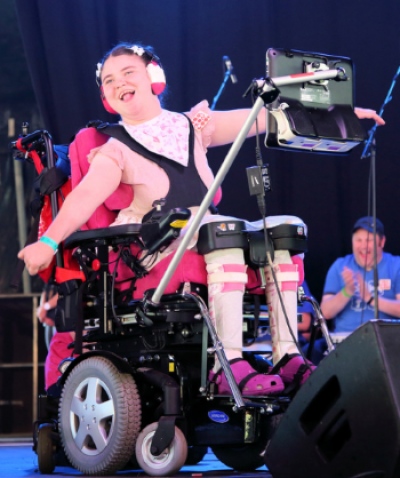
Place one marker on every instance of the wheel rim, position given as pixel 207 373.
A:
pixel 156 461
pixel 92 416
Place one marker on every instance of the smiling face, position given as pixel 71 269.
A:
pixel 127 88
pixel 363 248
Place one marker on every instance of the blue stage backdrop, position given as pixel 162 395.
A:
pixel 64 41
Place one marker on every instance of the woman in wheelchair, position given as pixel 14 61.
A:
pixel 162 154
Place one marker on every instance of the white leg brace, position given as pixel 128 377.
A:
pixel 287 276
pixel 226 280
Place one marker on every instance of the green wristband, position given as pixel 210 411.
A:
pixel 346 294
pixel 49 242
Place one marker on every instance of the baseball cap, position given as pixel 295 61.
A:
pixel 367 224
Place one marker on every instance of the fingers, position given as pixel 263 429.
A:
pixel 33 269
pixel 41 314
pixel 363 113
pixel 364 289
pixel 36 256
pixel 378 120
pixel 347 275
pixel 360 282
pixel 349 282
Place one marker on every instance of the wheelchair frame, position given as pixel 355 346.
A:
pixel 168 382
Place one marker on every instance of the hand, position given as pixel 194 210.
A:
pixel 42 316
pixel 349 282
pixel 37 257
pixel 364 292
pixel 369 114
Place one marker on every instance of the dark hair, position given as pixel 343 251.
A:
pixel 125 48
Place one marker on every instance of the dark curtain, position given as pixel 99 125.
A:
pixel 64 40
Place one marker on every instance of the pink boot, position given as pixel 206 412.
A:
pixel 292 369
pixel 249 381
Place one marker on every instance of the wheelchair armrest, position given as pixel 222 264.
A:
pixel 105 235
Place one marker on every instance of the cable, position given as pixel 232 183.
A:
pixel 116 319
pixel 368 214
pixel 262 208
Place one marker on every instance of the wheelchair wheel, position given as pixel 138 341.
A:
pixel 248 456
pixel 46 449
pixel 171 459
pixel 99 417
pixel 195 454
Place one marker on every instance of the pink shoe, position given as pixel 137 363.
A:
pixel 249 381
pixel 291 368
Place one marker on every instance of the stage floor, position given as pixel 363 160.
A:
pixel 17 460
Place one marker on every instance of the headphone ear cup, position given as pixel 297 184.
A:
pixel 157 77
pixel 106 103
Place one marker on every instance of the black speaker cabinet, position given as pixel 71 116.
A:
pixel 345 420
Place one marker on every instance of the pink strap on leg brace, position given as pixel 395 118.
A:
pixel 226 277
pixel 231 276
pixel 287 271
pixel 300 268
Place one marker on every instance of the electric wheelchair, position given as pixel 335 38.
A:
pixel 139 395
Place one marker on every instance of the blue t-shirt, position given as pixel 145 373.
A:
pixel 357 311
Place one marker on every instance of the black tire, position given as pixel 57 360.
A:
pixel 247 457
pixel 107 402
pixel 46 449
pixel 171 459
pixel 195 454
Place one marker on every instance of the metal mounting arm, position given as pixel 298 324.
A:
pixel 264 88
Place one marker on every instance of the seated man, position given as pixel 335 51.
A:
pixel 349 287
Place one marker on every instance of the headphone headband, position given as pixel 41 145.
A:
pixel 137 50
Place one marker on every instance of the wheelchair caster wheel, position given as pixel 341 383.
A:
pixel 171 459
pixel 46 449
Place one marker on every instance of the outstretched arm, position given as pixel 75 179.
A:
pixel 229 123
pixel 102 180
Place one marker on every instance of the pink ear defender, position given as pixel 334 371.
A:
pixel 157 77
pixel 154 69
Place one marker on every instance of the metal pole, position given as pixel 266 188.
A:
pixel 216 98
pixel 35 358
pixel 223 170
pixel 207 200
pixel 21 215
pixel 375 267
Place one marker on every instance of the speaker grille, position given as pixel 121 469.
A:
pixel 320 405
